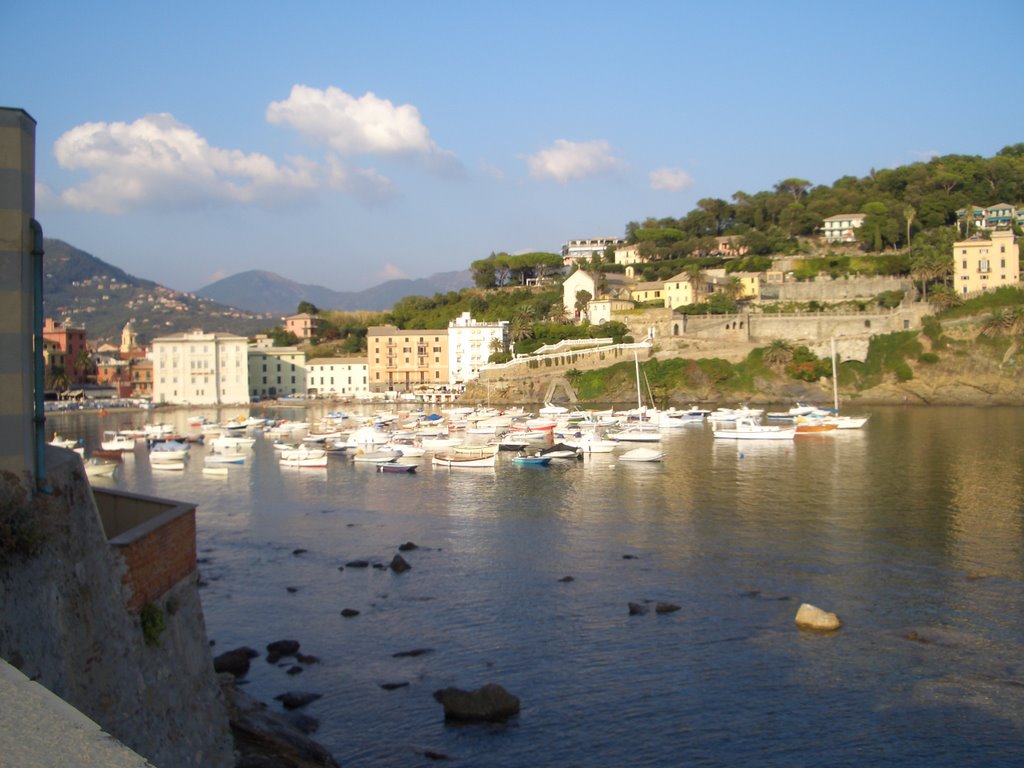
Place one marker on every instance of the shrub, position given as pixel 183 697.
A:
pixel 928 357
pixel 153 624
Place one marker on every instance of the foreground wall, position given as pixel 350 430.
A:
pixel 64 622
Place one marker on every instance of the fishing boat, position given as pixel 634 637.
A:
pixel 395 466
pixel 320 461
pixel 171 466
pixel 376 457
pixel 561 451
pixel 462 461
pixel 536 460
pixel 170 450
pixel 224 458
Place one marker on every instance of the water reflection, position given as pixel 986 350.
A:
pixel 913 523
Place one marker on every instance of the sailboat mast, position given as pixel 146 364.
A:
pixel 639 397
pixel 835 378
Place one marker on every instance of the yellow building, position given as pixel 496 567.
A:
pixel 678 291
pixel 983 265
pixel 402 361
pixel 644 292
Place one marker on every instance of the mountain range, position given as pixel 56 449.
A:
pixel 86 292
pixel 266 291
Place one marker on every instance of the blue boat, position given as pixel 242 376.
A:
pixel 539 461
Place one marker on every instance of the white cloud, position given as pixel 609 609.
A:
pixel 158 161
pixel 670 179
pixel 390 272
pixel 568 160
pixel 366 185
pixel 367 125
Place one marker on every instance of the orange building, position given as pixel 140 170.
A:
pixel 402 361
pixel 70 341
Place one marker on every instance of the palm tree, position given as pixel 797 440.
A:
pixel 1008 321
pixel 58 379
pixel 734 288
pixel 521 326
pixel 943 297
pixel 778 354
pixel 909 214
pixel 695 277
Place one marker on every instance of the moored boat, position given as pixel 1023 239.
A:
pixel 642 454
pixel 455 460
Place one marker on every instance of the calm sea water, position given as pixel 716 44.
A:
pixel 914 524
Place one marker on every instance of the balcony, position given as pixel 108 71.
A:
pixel 155 537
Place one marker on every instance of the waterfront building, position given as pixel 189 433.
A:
pixel 576 251
pixel 142 378
pixel 470 345
pixel 115 373
pixel 981 265
pixel 842 227
pixel 197 368
pixel 303 325
pixel 276 372
pixel 338 377
pixel 580 280
pixel 403 360
pixel 72 342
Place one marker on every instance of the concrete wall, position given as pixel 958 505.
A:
pixel 65 623
pixel 17 207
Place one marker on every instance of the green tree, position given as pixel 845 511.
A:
pixel 778 354
pixel 582 302
pixel 283 338
pixel 307 307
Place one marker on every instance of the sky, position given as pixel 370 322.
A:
pixel 348 143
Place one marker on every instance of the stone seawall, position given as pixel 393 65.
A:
pixel 65 623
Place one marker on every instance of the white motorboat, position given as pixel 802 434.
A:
pixel 172 466
pixel 302 452
pixel 593 442
pixel 642 454
pixel 231 443
pixel 169 450
pixel 641 432
pixel 750 429
pixel 114 441
pixel 376 457
pixel 100 468
pixel 224 458
pixel 306 462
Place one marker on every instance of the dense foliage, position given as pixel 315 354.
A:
pixel 898 203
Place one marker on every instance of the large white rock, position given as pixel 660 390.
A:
pixel 812 617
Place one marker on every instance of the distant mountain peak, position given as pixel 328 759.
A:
pixel 269 291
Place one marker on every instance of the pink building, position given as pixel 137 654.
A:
pixel 71 342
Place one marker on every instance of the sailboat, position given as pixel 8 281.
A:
pixel 840 421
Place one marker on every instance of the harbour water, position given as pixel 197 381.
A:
pixel 912 530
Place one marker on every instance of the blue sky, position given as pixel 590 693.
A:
pixel 344 143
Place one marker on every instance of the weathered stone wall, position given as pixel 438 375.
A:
pixel 826 289
pixel 64 622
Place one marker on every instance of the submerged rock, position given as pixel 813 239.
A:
pixel 281 648
pixel 399 564
pixel 296 699
pixel 490 703
pixel 637 609
pixel 666 608
pixel 812 617
pixel 235 661
pixel 407 547
pixel 348 613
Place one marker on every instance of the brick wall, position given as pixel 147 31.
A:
pixel 156 539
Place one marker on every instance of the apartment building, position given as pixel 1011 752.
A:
pixel 338 377
pixel 843 227
pixel 470 344
pixel 197 368
pixel 584 250
pixel 981 265
pixel 276 372
pixel 405 360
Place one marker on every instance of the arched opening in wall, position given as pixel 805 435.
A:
pixel 741 325
pixel 675 329
pixel 867 323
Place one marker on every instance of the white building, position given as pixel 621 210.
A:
pixel 585 250
pixel 573 284
pixel 198 368
pixel 629 254
pixel 842 228
pixel 470 344
pixel 338 377
pixel 277 372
